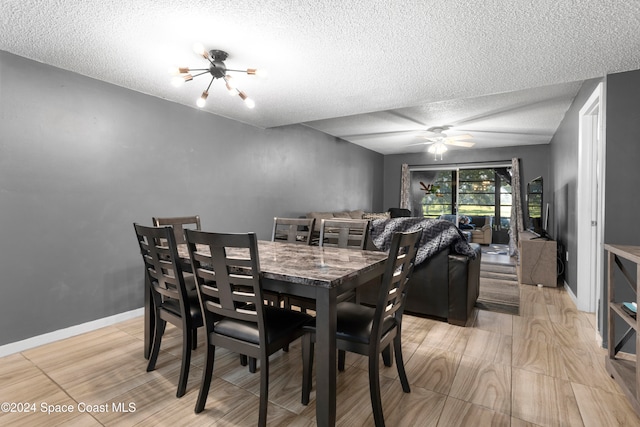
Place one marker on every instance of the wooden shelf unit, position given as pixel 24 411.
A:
pixel 623 370
pixel 538 260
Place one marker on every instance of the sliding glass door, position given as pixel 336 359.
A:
pixel 469 190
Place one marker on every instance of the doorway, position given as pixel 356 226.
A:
pixel 590 203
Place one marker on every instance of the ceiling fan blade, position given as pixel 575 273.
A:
pixel 465 144
pixel 459 137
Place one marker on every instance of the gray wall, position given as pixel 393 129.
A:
pixel 622 158
pixel 564 158
pixel 534 162
pixel 622 176
pixel 81 160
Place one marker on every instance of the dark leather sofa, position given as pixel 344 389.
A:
pixel 445 287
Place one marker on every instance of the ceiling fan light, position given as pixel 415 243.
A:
pixel 437 148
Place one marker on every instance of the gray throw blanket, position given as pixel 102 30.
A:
pixel 437 235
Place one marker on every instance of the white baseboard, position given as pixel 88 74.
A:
pixel 18 346
pixel 573 296
pixel 597 335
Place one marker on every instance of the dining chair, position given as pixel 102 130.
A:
pixel 297 231
pixel 293 230
pixel 344 233
pixel 179 224
pixel 173 300
pixel 228 282
pixel 370 331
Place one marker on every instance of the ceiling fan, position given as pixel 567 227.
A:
pixel 438 140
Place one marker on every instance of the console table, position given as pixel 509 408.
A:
pixel 538 260
pixel 623 370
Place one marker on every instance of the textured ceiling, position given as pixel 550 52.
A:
pixel 351 69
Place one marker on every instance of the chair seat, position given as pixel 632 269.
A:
pixel 279 323
pixel 173 306
pixel 355 322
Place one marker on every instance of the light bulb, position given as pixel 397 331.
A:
pixel 437 148
pixel 200 50
pixel 248 101
pixel 230 82
pixel 177 81
pixel 202 101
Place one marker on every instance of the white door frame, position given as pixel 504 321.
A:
pixel 590 202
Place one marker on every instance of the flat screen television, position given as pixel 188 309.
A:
pixel 534 207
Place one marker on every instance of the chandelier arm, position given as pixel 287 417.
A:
pixel 210 83
pixel 199 74
pixel 237 71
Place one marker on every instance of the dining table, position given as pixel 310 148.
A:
pixel 319 273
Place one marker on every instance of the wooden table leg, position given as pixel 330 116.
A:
pixel 326 357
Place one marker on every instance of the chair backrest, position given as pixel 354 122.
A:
pixel 227 276
pixel 164 271
pixel 344 233
pixel 293 230
pixel 179 224
pixel 393 289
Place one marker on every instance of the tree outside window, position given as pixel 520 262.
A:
pixel 481 192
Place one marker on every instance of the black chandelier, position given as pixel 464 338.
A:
pixel 218 70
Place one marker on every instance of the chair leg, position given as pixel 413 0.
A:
pixel 252 365
pixel 207 373
pixel 387 356
pixel 194 338
pixel 243 359
pixel 307 367
pixel 155 346
pixel 342 355
pixel 187 345
pixel 397 347
pixel 264 390
pixel 374 389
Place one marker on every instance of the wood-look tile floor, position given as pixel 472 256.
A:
pixel 542 368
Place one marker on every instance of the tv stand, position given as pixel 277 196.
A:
pixel 537 263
